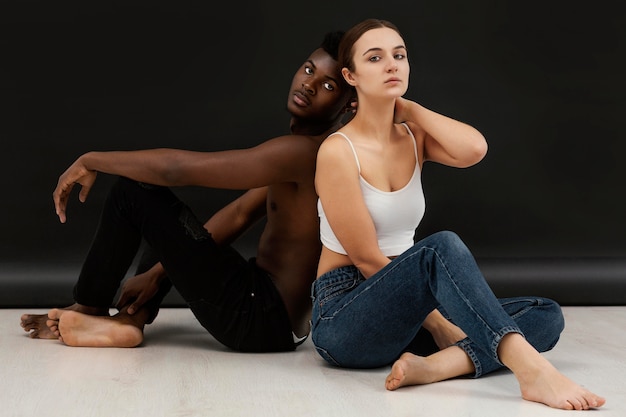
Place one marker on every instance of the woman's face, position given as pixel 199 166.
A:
pixel 381 65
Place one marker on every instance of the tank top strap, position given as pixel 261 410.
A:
pixel 412 137
pixel 358 165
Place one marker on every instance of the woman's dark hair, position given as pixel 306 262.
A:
pixel 330 44
pixel 354 34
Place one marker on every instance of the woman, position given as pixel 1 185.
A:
pixel 375 287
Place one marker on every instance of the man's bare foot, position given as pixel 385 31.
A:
pixel 78 329
pixel 36 324
pixel 411 369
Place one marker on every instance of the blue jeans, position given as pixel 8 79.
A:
pixel 368 323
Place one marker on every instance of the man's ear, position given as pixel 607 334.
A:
pixel 347 75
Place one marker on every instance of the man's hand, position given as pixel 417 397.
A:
pixel 77 173
pixel 139 289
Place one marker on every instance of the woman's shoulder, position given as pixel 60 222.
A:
pixel 335 139
pixel 335 145
pixel 414 131
pixel 410 128
pixel 417 135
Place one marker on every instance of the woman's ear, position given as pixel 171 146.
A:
pixel 347 75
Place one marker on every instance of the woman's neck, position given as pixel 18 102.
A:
pixel 374 120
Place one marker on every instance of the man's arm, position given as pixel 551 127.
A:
pixel 236 218
pixel 282 159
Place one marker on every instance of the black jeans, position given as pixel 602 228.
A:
pixel 230 296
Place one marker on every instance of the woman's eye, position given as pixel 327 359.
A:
pixel 375 59
pixel 329 86
pixel 308 70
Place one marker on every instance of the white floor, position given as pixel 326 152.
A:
pixel 182 371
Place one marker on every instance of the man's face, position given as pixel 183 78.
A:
pixel 318 91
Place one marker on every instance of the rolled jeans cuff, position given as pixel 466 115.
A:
pixel 486 362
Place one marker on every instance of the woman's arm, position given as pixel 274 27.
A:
pixel 337 184
pixel 445 140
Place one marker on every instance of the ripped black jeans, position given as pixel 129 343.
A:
pixel 230 296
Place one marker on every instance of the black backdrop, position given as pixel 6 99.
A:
pixel 544 81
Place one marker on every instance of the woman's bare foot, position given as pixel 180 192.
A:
pixel 411 369
pixel 77 329
pixel 540 381
pixel 36 324
pixel 554 389
pixel 443 331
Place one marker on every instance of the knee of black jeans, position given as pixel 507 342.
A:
pixel 192 225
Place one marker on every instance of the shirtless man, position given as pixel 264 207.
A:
pixel 261 304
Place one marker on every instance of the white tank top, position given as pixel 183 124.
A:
pixel 396 214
